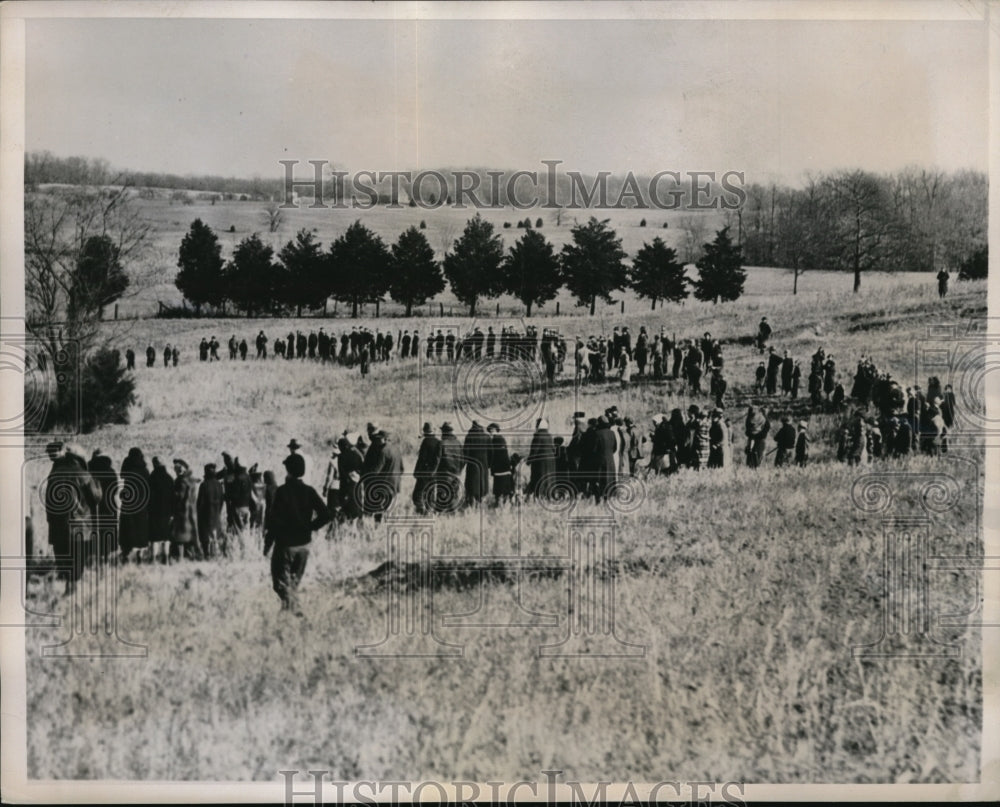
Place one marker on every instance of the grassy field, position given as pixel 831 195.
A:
pixel 746 589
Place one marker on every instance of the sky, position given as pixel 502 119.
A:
pixel 775 99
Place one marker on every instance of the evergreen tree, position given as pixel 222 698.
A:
pixel 473 266
pixel 107 390
pixel 593 264
pixel 414 275
pixel 531 270
pixel 200 278
pixel 99 279
pixel 252 277
pixel 358 266
pixel 720 270
pixel 305 282
pixel 657 274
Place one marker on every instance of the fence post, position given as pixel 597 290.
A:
pixel 557 308
pixel 116 310
pixel 498 309
pixel 623 306
pixel 442 308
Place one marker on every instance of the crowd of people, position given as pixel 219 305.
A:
pixel 156 515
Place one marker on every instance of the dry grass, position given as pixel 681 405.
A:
pixel 747 590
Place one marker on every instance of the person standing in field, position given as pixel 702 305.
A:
pixel 175 354
pixel 71 500
pixel 476 456
pixel 166 356
pixel 297 512
pixel 150 356
pixel 500 467
pixel 351 461
pixel 785 439
pixel 133 527
pixel 428 457
pixel 446 478
pixel 211 497
pixel 942 280
pixel 161 504
pixel 802 445
pixel 184 525
pixel 716 441
pixel 763 334
pixel 756 429
pixel 331 484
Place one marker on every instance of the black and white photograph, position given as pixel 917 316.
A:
pixel 523 401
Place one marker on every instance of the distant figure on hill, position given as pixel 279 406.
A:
pixel 763 334
pixel 942 279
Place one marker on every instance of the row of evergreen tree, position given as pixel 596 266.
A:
pixel 358 268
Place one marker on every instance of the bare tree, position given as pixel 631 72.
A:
pixel 273 216
pixel 695 234
pixel 57 227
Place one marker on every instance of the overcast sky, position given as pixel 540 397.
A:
pixel 774 99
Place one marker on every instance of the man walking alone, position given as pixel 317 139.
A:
pixel 297 512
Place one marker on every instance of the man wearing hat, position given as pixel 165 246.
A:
pixel 476 457
pixel 297 512
pixel 448 469
pixel 428 457
pixel 210 501
pixel 184 524
pixel 785 438
pixel 295 448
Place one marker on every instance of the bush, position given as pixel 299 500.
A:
pixel 976 266
pixel 665 225
pixel 538 222
pixel 423 224
pixel 232 228
pixel 642 223
pixel 506 225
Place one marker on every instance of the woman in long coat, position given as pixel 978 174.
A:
pixel 103 473
pixel 477 461
pixel 133 526
pixel 161 503
pixel 448 491
pixel 542 459
pixel 184 526
pixel 500 465
pixel 605 468
pixel 211 497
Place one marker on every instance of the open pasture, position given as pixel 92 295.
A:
pixel 745 590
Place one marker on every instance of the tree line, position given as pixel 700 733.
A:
pixel 359 267
pixel 913 220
